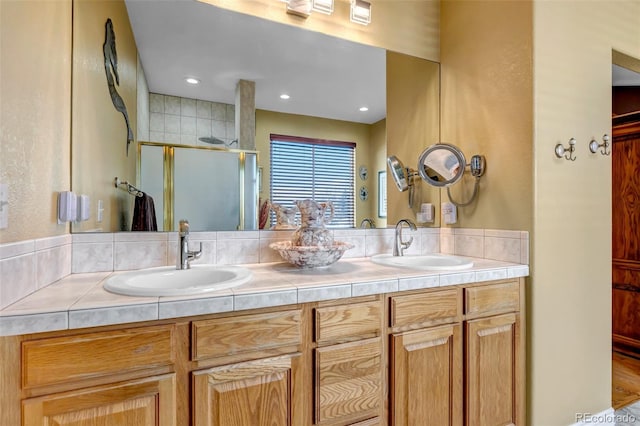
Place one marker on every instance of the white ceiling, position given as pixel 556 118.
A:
pixel 325 76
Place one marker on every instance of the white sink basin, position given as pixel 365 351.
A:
pixel 431 262
pixel 168 281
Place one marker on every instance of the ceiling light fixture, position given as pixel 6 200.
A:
pixel 322 6
pixel 300 8
pixel 361 12
pixel 363 109
pixel 284 96
pixel 192 80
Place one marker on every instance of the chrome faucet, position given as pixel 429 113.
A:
pixel 398 244
pixel 364 222
pixel 184 255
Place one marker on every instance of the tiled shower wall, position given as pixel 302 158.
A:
pixel 182 121
pixel 27 266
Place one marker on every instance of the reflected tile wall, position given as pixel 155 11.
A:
pixel 182 121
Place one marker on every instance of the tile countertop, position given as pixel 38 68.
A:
pixel 79 300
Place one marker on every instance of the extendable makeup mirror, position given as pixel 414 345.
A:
pixel 402 176
pixel 442 165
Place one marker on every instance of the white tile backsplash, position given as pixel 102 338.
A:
pixel 18 278
pixel 138 255
pixel 28 265
pixel 52 264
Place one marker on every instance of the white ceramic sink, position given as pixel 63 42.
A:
pixel 168 281
pixel 431 262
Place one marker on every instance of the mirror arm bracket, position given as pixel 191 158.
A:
pixel 473 196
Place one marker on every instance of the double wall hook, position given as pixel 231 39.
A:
pixel 566 152
pixel 594 145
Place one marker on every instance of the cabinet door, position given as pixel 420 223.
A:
pixel 253 393
pixel 426 377
pixel 146 402
pixel 348 381
pixel 493 360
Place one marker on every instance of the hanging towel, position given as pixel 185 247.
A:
pixel 144 214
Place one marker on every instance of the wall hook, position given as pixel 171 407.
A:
pixel 594 145
pixel 566 152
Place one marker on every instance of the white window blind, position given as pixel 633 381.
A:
pixel 320 170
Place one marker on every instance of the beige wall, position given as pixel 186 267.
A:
pixel 493 103
pixel 268 122
pixel 570 304
pixel 407 26
pixel 378 152
pixel 35 114
pixel 99 133
pixel 487 107
pixel 413 116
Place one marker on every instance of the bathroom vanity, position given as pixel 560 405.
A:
pixel 417 348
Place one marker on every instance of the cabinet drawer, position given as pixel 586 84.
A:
pixel 425 309
pixel 222 337
pixel 358 320
pixel 492 299
pixel 94 355
pixel 348 381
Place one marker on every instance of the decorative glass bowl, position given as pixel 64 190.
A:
pixel 310 256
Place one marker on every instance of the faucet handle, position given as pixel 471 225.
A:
pixel 183 227
pixel 407 244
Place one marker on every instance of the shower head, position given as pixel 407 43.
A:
pixel 212 141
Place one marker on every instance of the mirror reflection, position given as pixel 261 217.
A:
pixel 441 165
pixel 336 92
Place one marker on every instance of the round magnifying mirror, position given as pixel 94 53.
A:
pixel 398 172
pixel 441 165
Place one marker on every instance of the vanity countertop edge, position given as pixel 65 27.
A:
pixel 79 300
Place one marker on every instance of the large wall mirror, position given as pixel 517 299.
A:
pixel 327 78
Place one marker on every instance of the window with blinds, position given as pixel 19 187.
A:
pixel 320 170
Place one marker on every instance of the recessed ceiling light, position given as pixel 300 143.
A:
pixel 363 109
pixel 192 80
pixel 284 96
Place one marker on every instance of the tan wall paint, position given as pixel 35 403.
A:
pixel 570 303
pixel 35 114
pixel 566 205
pixel 406 26
pixel 99 132
pixel 487 107
pixel 268 122
pixel 379 164
pixel 413 116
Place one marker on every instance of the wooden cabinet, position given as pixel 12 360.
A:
pixel 494 355
pixel 625 163
pixel 468 370
pixel 348 364
pixel 146 402
pixel 491 360
pixel 426 358
pixel 258 374
pixel 265 392
pixel 445 356
pixel 427 377
pixel 348 380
